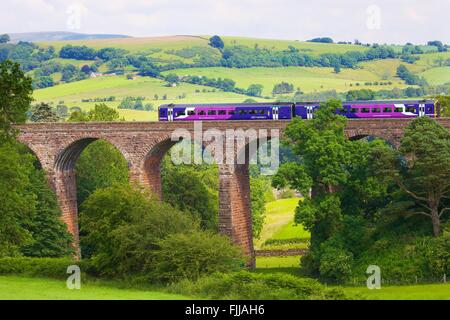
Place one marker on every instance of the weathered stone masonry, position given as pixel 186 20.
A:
pixel 144 144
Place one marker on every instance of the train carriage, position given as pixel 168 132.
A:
pixel 287 111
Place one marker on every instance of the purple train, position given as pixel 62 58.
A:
pixel 304 110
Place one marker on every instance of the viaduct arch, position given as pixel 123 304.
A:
pixel 144 144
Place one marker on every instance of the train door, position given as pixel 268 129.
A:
pixel 169 114
pixel 309 112
pixel 275 113
pixel 421 110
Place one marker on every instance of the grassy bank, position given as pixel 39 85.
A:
pixel 25 288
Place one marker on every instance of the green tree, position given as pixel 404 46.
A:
pixel 100 165
pixel 255 90
pixel 216 42
pixel 15 97
pixel 426 177
pixel 4 38
pixel 337 68
pixel 43 112
pixel 193 189
pixel 49 235
pixel 17 202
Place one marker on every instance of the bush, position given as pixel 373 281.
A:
pixel 335 264
pixel 245 285
pixel 192 255
pixel 36 267
pixel 122 227
pixel 402 261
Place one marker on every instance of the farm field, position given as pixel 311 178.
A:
pixel 303 46
pixel 437 76
pixel 305 78
pixel 73 93
pixel 279 222
pixel 23 288
pixel 417 292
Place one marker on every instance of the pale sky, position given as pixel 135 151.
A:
pixel 382 21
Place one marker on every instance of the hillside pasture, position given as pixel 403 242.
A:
pixel 305 78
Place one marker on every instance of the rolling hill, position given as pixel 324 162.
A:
pixel 187 49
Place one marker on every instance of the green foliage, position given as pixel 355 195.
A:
pixel 409 78
pixel 49 235
pixel 362 94
pixel 100 165
pixel 15 97
pixel 122 227
pixel 36 267
pixel 100 113
pixel 255 90
pixel 425 179
pixel 335 263
pixel 259 188
pixel 4 38
pixel 282 88
pixel 43 112
pixel 245 285
pixel 216 42
pixel 18 203
pixel 191 255
pixel 193 189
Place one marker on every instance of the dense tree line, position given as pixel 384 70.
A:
pixel 29 214
pixel 245 57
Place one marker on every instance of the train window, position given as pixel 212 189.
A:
pixel 180 113
pixel 162 112
pixel 410 109
pixel 191 113
pixel 201 113
pixel 231 112
pixel 242 111
pixel 222 112
pixel 253 112
pixel 376 110
pixel 211 112
pixel 387 110
pixel 262 112
pixel 354 110
pixel 429 109
pixel 398 109
pixel 365 110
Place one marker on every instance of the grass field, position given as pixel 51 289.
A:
pixel 419 292
pixel 279 222
pixel 307 79
pixel 278 262
pixel 305 47
pixel 437 76
pixel 72 94
pixel 14 288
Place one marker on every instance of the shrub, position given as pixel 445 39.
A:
pixel 246 285
pixel 335 263
pixel 122 227
pixel 36 267
pixel 192 255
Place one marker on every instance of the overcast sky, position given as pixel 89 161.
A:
pixel 383 21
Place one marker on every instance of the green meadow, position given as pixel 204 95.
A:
pixel 24 288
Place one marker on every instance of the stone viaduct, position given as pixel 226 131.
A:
pixel 144 144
